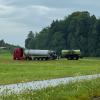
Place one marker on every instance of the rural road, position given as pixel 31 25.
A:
pixel 34 85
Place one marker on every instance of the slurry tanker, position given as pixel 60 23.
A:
pixel 71 54
pixel 30 54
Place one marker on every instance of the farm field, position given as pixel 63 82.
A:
pixel 84 90
pixel 24 71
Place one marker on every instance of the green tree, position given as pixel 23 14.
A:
pixel 29 42
pixel 58 42
pixel 79 30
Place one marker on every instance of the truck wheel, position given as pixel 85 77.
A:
pixel 29 58
pixel 26 58
pixel 14 58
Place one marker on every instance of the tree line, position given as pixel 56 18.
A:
pixel 79 30
pixel 7 46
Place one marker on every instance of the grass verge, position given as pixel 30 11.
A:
pixel 84 90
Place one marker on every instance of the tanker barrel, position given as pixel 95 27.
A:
pixel 76 52
pixel 37 52
pixel 67 52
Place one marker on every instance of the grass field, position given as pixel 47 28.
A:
pixel 23 71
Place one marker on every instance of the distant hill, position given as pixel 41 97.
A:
pixel 80 30
pixel 6 47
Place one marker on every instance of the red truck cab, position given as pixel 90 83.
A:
pixel 18 54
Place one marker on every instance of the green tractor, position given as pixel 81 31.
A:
pixel 71 54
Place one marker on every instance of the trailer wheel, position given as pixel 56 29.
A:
pixel 41 58
pixel 46 58
pixel 72 58
pixel 76 58
pixel 33 58
pixel 37 58
pixel 69 58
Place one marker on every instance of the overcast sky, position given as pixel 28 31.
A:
pixel 18 17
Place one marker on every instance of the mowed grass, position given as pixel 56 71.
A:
pixel 23 71
pixel 84 90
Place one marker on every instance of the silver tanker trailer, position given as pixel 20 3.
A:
pixel 39 54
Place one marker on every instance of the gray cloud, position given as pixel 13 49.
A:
pixel 18 17
pixel 54 3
